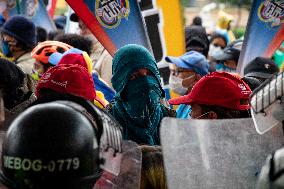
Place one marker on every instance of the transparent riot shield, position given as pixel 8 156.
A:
pixel 201 154
pixel 130 170
pixel 267 104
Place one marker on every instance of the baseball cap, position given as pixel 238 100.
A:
pixel 231 52
pixel 69 78
pixel 191 60
pixel 261 67
pixel 218 89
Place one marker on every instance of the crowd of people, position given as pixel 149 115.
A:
pixel 67 101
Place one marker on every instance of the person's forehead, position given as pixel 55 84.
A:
pixel 218 40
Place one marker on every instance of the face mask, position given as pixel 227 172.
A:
pixel 176 85
pixel 213 50
pixel 142 99
pixel 220 67
pixel 6 49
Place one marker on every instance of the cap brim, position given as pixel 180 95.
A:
pixel 259 75
pixel 180 100
pixel 222 56
pixel 55 58
pixel 177 61
pixel 74 17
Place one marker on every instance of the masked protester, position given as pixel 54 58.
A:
pixel 218 95
pixel 217 43
pixel 41 54
pixel 18 39
pixel 227 59
pixel 195 40
pixel 137 104
pixel 55 145
pixel 187 70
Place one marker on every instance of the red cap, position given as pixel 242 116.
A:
pixel 218 89
pixel 68 78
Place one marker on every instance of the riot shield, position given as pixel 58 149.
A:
pixel 201 154
pixel 130 170
pixel 267 104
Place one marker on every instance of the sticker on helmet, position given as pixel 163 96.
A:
pixel 37 165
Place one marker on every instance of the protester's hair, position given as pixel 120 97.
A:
pixel 76 41
pixel 225 113
pixel 46 67
pixel 53 34
pixel 153 172
pixel 217 35
pixel 197 21
pixel 41 34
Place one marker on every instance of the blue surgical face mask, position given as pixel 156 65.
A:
pixel 6 49
pixel 220 67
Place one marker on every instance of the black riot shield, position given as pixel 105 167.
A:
pixel 201 154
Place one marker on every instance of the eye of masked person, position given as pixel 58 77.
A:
pixel 182 73
pixel 218 45
pixel 10 40
pixel 140 73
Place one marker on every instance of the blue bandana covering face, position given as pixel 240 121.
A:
pixel 141 99
pixel 137 104
pixel 6 49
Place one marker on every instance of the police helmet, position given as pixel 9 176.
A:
pixel 51 145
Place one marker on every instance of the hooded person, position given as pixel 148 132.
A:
pixel 218 95
pixel 196 39
pixel 186 71
pixel 137 104
pixel 13 85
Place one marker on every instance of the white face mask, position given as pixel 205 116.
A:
pixel 213 50
pixel 176 85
